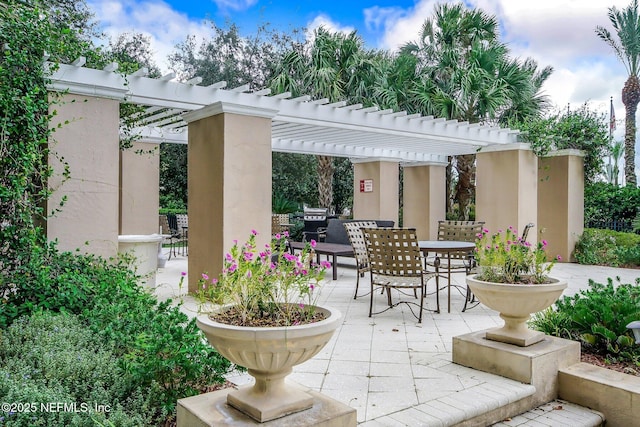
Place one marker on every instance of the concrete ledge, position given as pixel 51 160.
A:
pixel 537 364
pixel 211 409
pixel 615 394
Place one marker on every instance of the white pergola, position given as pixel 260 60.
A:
pixel 300 125
pixel 231 133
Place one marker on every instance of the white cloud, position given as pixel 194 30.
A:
pixel 154 18
pixel 234 4
pixel 328 24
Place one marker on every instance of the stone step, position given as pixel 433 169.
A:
pixel 556 413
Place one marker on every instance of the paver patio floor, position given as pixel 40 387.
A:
pixel 389 366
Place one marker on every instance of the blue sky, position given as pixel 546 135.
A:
pixel 559 33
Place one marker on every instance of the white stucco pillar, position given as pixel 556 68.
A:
pixel 139 188
pixel 88 141
pixel 507 187
pixel 561 201
pixel 376 188
pixel 424 198
pixel 229 163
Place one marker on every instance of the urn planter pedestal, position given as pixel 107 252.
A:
pixel 516 303
pixel 269 354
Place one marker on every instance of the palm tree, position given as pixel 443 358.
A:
pixel 626 23
pixel 332 67
pixel 467 74
pixel 616 151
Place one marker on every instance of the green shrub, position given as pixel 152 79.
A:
pixel 608 247
pixel 598 317
pixel 161 351
pixel 604 201
pixel 174 211
pixel 50 280
pixel 53 358
pixel 281 205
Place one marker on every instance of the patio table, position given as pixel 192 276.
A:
pixel 322 248
pixel 445 247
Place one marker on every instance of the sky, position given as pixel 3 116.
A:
pixel 559 33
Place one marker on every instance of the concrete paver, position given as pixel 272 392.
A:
pixel 392 368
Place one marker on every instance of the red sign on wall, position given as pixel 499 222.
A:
pixel 366 185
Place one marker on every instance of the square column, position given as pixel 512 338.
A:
pixel 561 201
pixel 507 187
pixel 424 198
pixel 89 143
pixel 139 188
pixel 378 198
pixel 229 163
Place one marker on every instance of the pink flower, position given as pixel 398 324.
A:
pixel 325 264
pixel 311 286
pixel 229 257
pixel 249 274
pixel 248 256
pixel 544 243
pixel 232 268
pixel 559 258
pixel 313 243
pixel 286 234
pixel 485 230
pixel 277 236
pixel 214 281
pixel 205 276
pixel 183 274
pixel 254 232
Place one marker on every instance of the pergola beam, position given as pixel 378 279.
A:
pixel 309 124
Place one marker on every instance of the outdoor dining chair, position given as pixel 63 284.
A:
pixel 457 261
pixel 172 235
pixel 354 231
pixel 183 229
pixel 395 262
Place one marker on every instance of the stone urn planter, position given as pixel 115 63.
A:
pixel 516 303
pixel 269 354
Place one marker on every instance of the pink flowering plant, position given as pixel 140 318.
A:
pixel 503 257
pixel 265 286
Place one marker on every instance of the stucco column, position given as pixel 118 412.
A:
pixel 229 179
pixel 139 188
pixel 424 198
pixel 561 201
pixel 89 143
pixel 507 187
pixel 377 197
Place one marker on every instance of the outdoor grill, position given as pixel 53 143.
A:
pixel 315 224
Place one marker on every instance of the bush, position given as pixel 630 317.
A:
pixel 607 247
pixel 604 201
pixel 53 358
pixel 598 317
pixel 50 280
pixel 159 349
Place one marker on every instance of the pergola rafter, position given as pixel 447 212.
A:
pixel 301 125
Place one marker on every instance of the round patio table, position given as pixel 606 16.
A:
pixel 445 247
